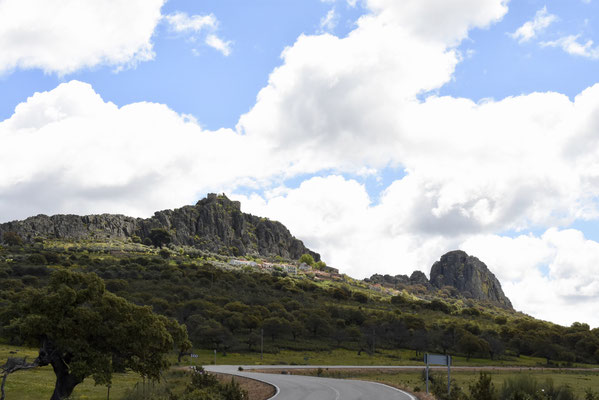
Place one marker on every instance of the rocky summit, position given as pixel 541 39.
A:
pixel 214 224
pixel 470 276
pixel 465 276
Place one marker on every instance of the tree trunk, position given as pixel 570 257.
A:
pixel 65 381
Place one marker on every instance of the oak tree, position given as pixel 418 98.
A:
pixel 85 331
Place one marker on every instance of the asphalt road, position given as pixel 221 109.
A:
pixel 298 387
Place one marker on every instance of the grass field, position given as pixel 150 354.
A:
pixel 38 383
pixel 351 357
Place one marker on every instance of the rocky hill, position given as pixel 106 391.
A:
pixel 465 276
pixel 470 276
pixel 214 224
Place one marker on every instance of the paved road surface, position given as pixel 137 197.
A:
pixel 298 387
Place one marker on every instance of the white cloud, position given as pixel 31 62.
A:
pixel 554 277
pixel 194 25
pixel 217 43
pixel 329 21
pixel 443 21
pixel 84 155
pixel 64 36
pixel 571 45
pixel 334 216
pixel 532 28
pixel 181 22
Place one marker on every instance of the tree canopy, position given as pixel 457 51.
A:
pixel 160 237
pixel 85 331
pixel 307 258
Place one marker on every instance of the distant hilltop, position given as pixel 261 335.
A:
pixel 215 224
pixel 456 273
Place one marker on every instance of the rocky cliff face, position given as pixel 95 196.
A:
pixel 214 224
pixel 470 276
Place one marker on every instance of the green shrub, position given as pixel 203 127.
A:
pixel 164 253
pixel 483 388
pixel 205 386
pixel 12 239
pixel 526 387
pixel 360 297
pixel 37 259
pixel 307 258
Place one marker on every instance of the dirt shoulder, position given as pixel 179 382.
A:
pixel 256 390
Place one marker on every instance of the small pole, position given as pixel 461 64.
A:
pixel 448 375
pixel 261 344
pixel 214 356
pixel 426 360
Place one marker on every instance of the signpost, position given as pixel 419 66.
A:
pixel 439 359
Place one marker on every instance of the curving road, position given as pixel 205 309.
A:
pixel 298 387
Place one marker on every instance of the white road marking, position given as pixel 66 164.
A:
pixel 337 394
pixel 394 388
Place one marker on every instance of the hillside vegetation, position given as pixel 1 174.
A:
pixel 226 308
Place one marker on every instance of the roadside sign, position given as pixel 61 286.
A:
pixel 439 359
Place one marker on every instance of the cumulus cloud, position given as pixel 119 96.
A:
pixel 64 36
pixel 571 45
pixel 446 21
pixel 77 153
pixel 531 29
pixel 195 25
pixel 553 276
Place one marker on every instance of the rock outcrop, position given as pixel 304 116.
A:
pixel 214 224
pixel 470 276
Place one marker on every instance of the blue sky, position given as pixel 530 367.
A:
pixel 501 67
pixel 216 89
pixel 382 133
